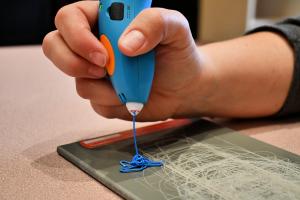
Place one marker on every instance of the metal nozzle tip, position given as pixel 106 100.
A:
pixel 134 108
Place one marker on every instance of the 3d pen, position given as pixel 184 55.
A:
pixel 131 77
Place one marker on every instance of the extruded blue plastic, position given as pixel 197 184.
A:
pixel 132 77
pixel 138 162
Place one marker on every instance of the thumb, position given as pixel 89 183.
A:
pixel 155 26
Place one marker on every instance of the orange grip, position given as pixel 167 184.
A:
pixel 110 66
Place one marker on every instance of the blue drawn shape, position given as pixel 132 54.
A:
pixel 138 162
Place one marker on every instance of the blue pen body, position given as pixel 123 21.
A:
pixel 131 77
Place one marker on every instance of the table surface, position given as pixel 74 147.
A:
pixel 40 110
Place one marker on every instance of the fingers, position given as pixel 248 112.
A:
pixel 58 52
pixel 74 23
pixel 121 112
pixel 153 26
pixel 110 112
pixel 105 101
pixel 97 91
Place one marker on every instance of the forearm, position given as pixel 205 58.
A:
pixel 252 75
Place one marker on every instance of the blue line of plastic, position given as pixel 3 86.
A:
pixel 134 133
pixel 138 162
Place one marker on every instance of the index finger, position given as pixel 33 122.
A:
pixel 74 23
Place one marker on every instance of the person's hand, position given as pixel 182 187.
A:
pixel 75 50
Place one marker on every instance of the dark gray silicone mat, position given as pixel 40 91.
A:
pixel 202 161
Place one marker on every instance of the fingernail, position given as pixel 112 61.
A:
pixel 97 72
pixel 133 40
pixel 98 59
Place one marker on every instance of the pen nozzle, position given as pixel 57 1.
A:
pixel 134 108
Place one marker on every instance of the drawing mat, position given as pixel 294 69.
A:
pixel 202 161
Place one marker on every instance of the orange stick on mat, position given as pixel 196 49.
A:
pixel 110 139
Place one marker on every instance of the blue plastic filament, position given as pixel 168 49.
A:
pixel 138 162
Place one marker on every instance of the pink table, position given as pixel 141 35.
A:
pixel 39 110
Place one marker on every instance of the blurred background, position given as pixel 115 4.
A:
pixel 27 22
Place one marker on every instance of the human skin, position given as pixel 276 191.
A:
pixel 246 77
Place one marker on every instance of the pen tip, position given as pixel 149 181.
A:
pixel 134 108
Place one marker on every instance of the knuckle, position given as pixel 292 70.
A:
pixel 81 88
pixel 60 15
pixel 163 20
pixel 48 41
pixel 183 25
pixel 179 15
pixel 156 16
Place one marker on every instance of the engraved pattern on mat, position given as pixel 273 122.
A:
pixel 225 171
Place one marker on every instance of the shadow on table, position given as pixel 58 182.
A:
pixel 45 159
pixel 56 167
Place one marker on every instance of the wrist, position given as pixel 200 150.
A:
pixel 245 77
pixel 197 99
